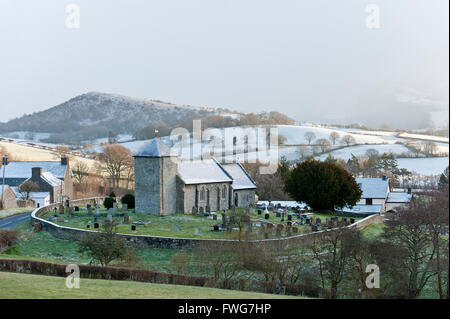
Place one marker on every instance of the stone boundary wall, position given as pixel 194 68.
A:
pixel 146 241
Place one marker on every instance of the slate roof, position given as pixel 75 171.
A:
pixel 241 180
pixel 50 179
pixel 154 148
pixel 399 197
pixel 23 169
pixel 202 172
pixel 373 187
pixel 33 195
pixel 363 209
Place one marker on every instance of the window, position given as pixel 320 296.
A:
pixel 224 191
pixel 368 201
pixel 202 194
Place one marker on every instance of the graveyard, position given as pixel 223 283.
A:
pixel 227 224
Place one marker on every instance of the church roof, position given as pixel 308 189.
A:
pixel 154 148
pixel 241 180
pixel 373 187
pixel 202 172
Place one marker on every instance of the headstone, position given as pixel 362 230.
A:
pixel 97 212
pixel 259 212
pixel 294 230
pixel 88 226
pixel 289 224
pixel 109 218
pixel 224 220
pixel 111 211
pixel 133 227
pixel 278 214
pixel 207 209
pixel 318 221
pixel 77 208
pixel 216 228
pixel 69 211
pixel 214 216
pixel 95 225
pixel 194 210
pixel 352 220
pixel 289 217
pixel 249 228
pixel 55 213
pixel 175 228
pixel 125 207
pixel 61 209
pixel 126 218
pixel 95 219
pixel 89 209
pixel 196 232
pixel 88 206
pixel 267 216
pixel 307 221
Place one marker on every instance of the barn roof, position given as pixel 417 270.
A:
pixel 202 172
pixel 373 187
pixel 154 148
pixel 399 197
pixel 241 180
pixel 363 209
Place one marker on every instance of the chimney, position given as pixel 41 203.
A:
pixel 36 173
pixel 409 190
pixel 63 160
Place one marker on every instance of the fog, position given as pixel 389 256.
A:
pixel 314 60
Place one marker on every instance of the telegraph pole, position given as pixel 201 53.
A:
pixel 4 163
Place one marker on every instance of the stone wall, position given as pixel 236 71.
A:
pixel 246 197
pixel 147 187
pixel 144 241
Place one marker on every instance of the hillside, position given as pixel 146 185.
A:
pixel 45 287
pixel 94 115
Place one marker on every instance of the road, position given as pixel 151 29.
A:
pixel 15 220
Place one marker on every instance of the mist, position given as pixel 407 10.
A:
pixel 312 60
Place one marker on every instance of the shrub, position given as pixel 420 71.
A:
pixel 129 200
pixel 7 237
pixel 108 202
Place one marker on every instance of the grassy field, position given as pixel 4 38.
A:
pixel 177 225
pixel 15 285
pixel 13 211
pixel 373 231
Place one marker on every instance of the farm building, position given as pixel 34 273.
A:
pixel 7 197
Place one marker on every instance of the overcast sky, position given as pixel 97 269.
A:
pixel 314 60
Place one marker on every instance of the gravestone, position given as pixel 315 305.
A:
pixel 194 210
pixel 95 219
pixel 214 216
pixel 216 228
pixel 224 220
pixel 97 212
pixel 289 217
pixel 175 228
pixel 196 232
pixel 109 217
pixel 207 209
pixel 69 211
pixel 55 212
pixel 88 226
pixel 77 209
pixel 61 209
pixel 352 220
pixel 249 228
pixel 318 221
pixel 133 227
pixel 259 212
pixel 307 221
pixel 278 214
pixel 289 224
pixel 95 225
pixel 266 216
pixel 89 209
pixel 126 218
pixel 294 230
pixel 125 207
pixel 111 211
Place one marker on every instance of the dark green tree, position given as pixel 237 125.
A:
pixel 129 200
pixel 322 186
pixel 108 202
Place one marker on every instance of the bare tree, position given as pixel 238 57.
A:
pixel 114 161
pixel 26 188
pixel 430 148
pixel 334 136
pixel 324 144
pixel 348 139
pixel 304 152
pixel 310 136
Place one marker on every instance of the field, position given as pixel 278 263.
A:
pixel 177 225
pixel 15 285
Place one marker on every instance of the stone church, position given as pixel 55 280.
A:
pixel 166 185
